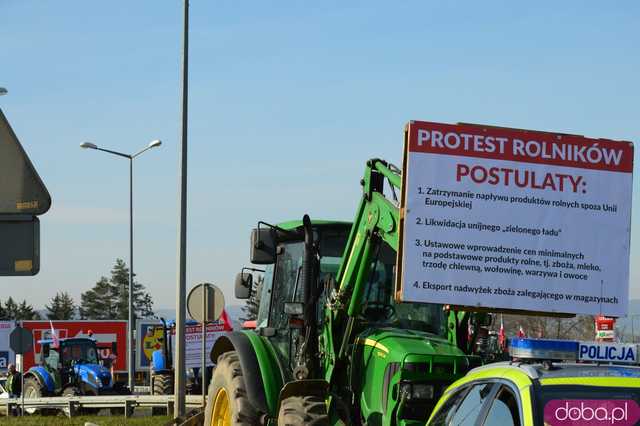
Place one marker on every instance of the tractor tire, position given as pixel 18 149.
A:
pixel 89 411
pixel 303 411
pixel 162 384
pixel 69 391
pixel 32 389
pixel 227 401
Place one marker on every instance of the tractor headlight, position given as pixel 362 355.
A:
pixel 416 390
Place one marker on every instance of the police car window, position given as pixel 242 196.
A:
pixel 504 410
pixel 470 408
pixel 446 412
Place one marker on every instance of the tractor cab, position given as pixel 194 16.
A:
pixel 69 352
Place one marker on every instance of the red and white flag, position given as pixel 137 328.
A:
pixel 54 336
pixel 521 333
pixel 502 338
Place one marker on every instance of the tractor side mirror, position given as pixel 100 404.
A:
pixel 45 350
pixel 244 282
pixel 114 347
pixel 263 247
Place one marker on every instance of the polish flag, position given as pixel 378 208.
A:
pixel 226 321
pixel 502 338
pixel 54 336
pixel 521 333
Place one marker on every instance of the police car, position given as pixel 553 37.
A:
pixel 548 382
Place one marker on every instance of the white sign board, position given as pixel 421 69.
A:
pixel 193 343
pixel 608 352
pixel 6 354
pixel 513 219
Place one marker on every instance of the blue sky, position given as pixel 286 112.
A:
pixel 288 99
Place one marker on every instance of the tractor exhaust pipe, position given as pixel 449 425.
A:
pixel 307 366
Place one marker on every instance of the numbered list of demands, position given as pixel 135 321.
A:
pixel 505 219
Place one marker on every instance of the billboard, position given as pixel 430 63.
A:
pixel 515 219
pixel 152 340
pixel 104 332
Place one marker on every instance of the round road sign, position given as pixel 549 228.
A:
pixel 21 340
pixel 205 302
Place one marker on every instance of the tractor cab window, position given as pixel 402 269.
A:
pixel 288 271
pixel 289 286
pixel 265 298
pixel 286 285
pixel 79 352
pixel 380 308
pixel 53 360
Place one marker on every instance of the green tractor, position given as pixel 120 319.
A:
pixel 331 345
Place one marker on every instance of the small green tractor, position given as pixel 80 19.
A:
pixel 331 345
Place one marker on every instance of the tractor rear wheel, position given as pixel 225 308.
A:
pixel 32 389
pixel 162 384
pixel 307 410
pixel 227 401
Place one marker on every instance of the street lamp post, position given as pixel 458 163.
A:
pixel 130 157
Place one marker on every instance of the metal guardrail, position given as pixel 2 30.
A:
pixel 73 405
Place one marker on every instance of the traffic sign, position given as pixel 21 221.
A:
pixel 205 302
pixel 21 189
pixel 21 340
pixel 20 255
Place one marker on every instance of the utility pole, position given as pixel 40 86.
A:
pixel 181 286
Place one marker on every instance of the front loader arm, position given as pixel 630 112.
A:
pixel 376 218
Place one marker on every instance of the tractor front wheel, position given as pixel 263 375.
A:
pixel 303 411
pixel 227 402
pixel 69 391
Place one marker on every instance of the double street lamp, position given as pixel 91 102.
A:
pixel 130 157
